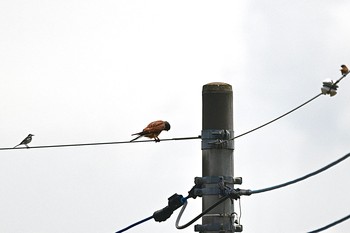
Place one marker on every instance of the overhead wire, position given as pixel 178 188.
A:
pixel 240 192
pixel 277 118
pixel 98 143
pixel 135 224
pixel 169 139
pixel 301 178
pixel 334 85
pixel 331 224
pixel 181 138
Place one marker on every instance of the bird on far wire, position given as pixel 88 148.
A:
pixel 152 130
pixel 26 141
pixel 344 70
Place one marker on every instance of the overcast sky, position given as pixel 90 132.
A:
pixel 97 71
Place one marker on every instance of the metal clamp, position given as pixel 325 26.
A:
pixel 217 139
pixel 217 227
pixel 215 185
pixel 217 179
pixel 329 87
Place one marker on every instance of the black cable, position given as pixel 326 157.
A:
pixel 331 225
pixel 98 143
pixel 285 114
pixel 301 178
pixel 344 75
pixel 334 85
pixel 174 202
pixel 135 224
pixel 237 193
pixel 201 214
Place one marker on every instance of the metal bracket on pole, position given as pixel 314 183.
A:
pixel 220 181
pixel 217 139
pixel 217 185
pixel 217 179
pixel 217 227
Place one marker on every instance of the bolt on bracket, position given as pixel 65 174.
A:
pixel 217 139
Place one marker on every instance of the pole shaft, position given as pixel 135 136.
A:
pixel 217 107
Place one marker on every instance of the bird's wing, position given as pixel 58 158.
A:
pixel 155 126
pixel 24 141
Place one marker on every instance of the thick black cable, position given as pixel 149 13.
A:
pixel 249 192
pixel 98 143
pixel 277 118
pixel 201 214
pixel 135 224
pixel 330 225
pixel 301 178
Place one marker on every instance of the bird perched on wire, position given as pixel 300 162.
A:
pixel 344 70
pixel 152 130
pixel 26 141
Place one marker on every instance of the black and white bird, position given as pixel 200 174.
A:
pixel 26 141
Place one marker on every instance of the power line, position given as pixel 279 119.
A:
pixel 277 118
pixel 169 139
pixel 236 193
pixel 331 225
pixel 301 178
pixel 332 86
pixel 135 224
pixel 98 143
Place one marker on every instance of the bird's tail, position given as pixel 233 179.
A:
pixel 136 137
pixel 17 145
pixel 139 133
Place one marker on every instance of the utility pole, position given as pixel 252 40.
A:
pixel 217 157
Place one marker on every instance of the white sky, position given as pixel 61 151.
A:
pixel 94 71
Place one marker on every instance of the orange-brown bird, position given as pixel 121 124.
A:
pixel 152 130
pixel 344 69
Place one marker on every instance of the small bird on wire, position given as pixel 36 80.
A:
pixel 344 70
pixel 152 130
pixel 26 141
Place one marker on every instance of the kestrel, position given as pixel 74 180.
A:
pixel 153 130
pixel 26 141
pixel 344 70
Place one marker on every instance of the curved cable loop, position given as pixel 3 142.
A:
pixel 180 215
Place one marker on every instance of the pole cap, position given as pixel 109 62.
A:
pixel 217 87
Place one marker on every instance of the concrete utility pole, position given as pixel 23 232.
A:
pixel 217 156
